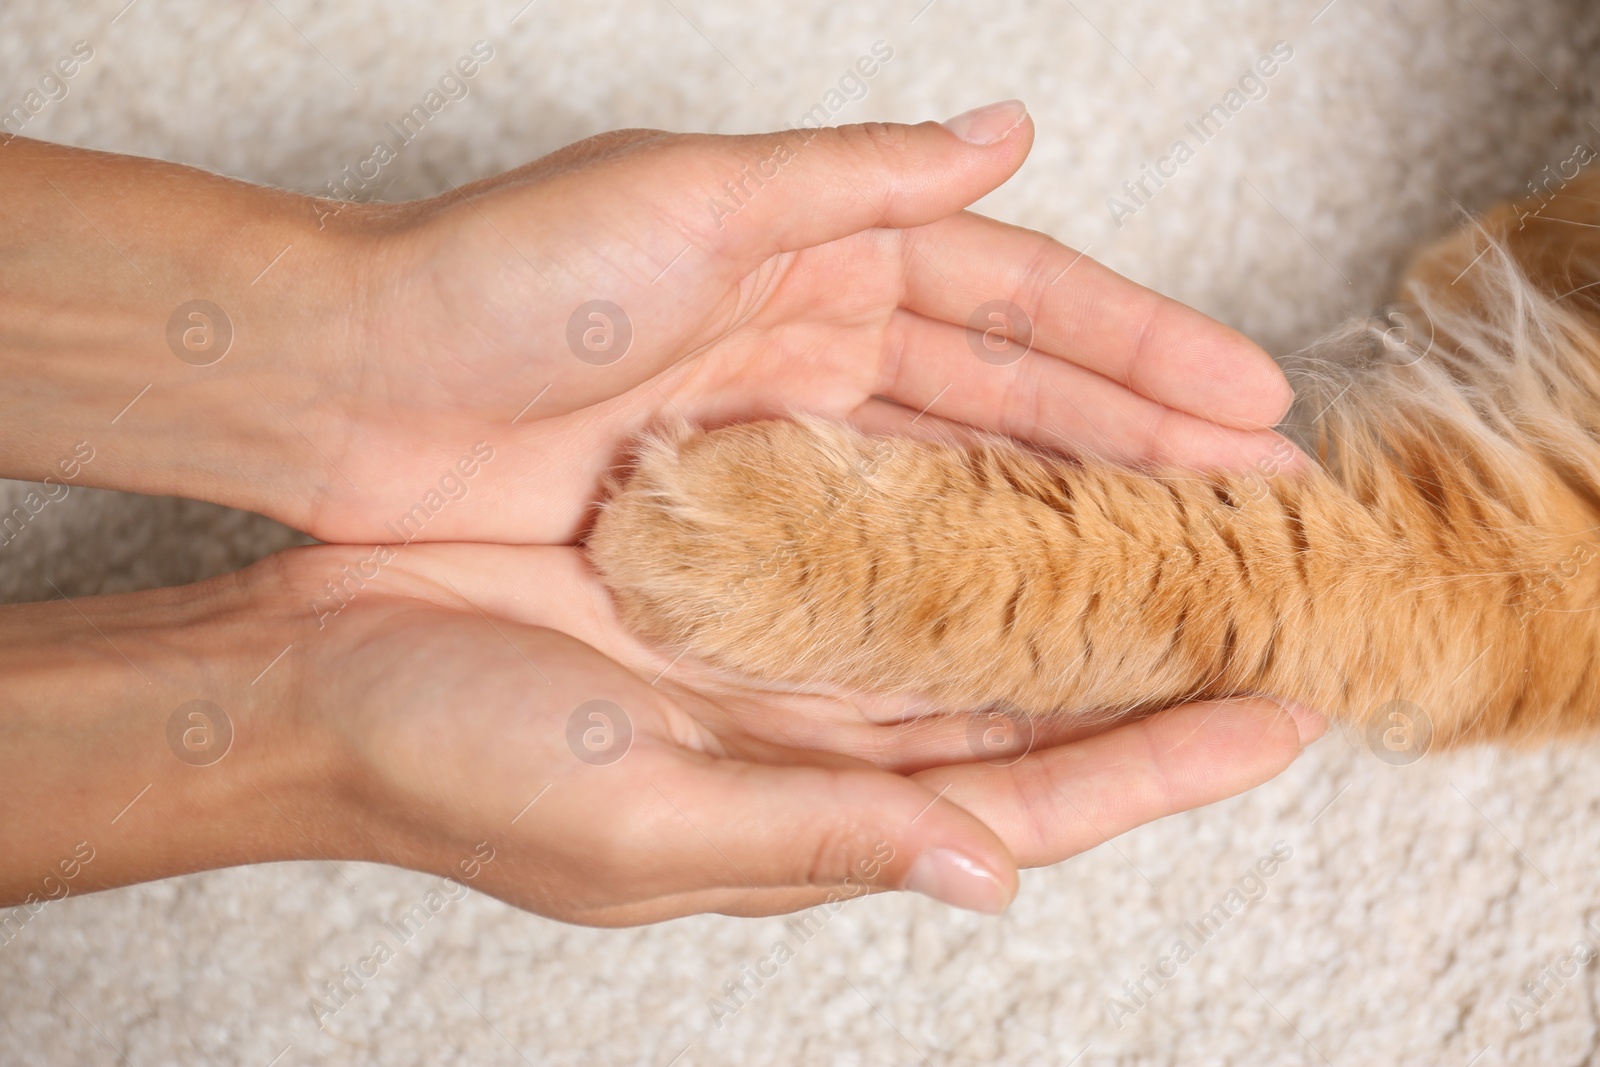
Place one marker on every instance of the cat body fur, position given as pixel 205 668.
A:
pixel 1441 553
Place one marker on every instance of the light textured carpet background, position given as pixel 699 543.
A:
pixel 1417 900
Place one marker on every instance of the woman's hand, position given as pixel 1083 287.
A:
pixel 356 360
pixel 473 711
pixel 433 371
pixel 557 309
pixel 472 681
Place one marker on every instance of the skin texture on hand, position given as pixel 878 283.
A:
pixel 111 737
pixel 423 373
pixel 372 346
pixel 1069 791
pixel 845 285
pixel 145 316
pixel 447 713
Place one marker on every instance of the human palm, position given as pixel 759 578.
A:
pixel 407 374
pixel 810 299
pixel 465 686
pixel 830 293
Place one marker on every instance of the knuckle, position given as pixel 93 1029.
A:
pixel 879 138
pixel 1049 261
pixel 835 854
pixel 1037 795
pixel 841 846
pixel 1141 349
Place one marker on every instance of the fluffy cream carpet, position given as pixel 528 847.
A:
pixel 1409 906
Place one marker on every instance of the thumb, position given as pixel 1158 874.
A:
pixel 855 828
pixel 780 192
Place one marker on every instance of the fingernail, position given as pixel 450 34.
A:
pixel 954 879
pixel 988 124
pixel 1309 724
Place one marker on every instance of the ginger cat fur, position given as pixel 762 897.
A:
pixel 1440 549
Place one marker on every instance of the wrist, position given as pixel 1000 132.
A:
pixel 175 324
pixel 154 732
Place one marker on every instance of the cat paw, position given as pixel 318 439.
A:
pixel 734 545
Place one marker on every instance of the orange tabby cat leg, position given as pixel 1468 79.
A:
pixel 1439 556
